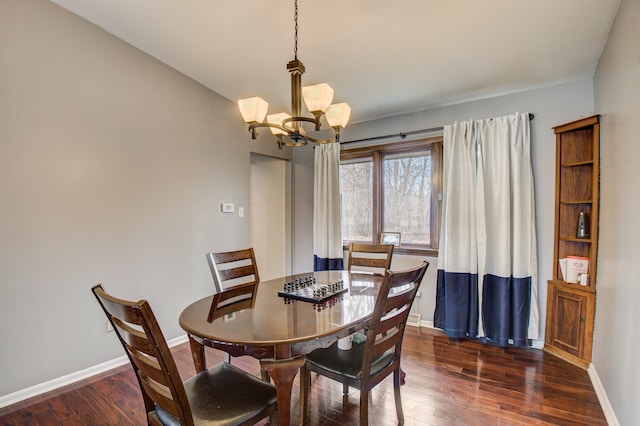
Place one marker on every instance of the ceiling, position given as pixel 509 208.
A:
pixel 382 57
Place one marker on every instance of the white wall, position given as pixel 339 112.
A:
pixel 270 217
pixel 551 106
pixel 617 98
pixel 302 186
pixel 112 168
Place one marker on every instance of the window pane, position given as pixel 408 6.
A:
pixel 356 186
pixel 407 197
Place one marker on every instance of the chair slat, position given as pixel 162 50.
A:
pixel 241 271
pixel 150 367
pixel 160 395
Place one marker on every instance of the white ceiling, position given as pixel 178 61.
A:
pixel 383 57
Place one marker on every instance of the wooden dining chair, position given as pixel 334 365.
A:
pixel 222 394
pixel 370 257
pixel 367 364
pixel 233 268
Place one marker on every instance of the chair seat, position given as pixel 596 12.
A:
pixel 347 362
pixel 223 395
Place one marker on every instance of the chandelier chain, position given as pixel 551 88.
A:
pixel 295 17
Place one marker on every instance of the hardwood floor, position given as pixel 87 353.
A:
pixel 448 383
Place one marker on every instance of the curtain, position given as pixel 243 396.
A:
pixel 487 265
pixel 327 231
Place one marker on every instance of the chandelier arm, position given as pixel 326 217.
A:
pixel 298 120
pixel 292 134
pixel 254 126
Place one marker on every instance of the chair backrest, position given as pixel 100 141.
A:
pixel 373 257
pixel 145 345
pixel 393 304
pixel 233 268
pixel 242 296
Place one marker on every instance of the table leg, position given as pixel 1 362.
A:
pixel 283 371
pixel 197 353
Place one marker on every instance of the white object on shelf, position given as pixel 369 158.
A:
pixel 576 265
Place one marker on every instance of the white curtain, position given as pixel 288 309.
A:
pixel 487 265
pixel 327 230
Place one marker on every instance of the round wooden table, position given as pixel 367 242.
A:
pixel 280 332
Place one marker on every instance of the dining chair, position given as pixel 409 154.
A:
pixel 223 394
pixel 232 268
pixel 367 364
pixel 370 257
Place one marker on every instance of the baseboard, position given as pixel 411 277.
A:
pixel 414 320
pixel 425 323
pixel 610 415
pixel 59 382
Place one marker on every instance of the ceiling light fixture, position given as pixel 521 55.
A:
pixel 287 128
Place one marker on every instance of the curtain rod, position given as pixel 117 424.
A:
pixel 403 135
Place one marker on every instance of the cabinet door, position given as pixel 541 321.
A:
pixel 570 310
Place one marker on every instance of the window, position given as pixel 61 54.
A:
pixel 393 188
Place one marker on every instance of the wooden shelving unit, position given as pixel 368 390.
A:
pixel 571 306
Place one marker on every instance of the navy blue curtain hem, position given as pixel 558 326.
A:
pixel 505 309
pixel 506 306
pixel 326 264
pixel 504 343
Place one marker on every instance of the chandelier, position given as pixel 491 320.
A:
pixel 287 128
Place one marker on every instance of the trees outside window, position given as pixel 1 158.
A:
pixel 393 188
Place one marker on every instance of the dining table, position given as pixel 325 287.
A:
pixel 281 326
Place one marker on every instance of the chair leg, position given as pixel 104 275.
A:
pixel 397 380
pixel 345 389
pixel 305 384
pixel 364 407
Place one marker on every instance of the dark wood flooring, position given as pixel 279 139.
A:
pixel 448 383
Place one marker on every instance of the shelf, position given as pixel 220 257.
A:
pixel 574 286
pixel 577 163
pixel 571 202
pixel 571 306
pixel 576 240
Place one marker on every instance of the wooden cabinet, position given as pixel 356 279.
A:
pixel 571 306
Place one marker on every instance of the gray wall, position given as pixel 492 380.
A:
pixel 112 168
pixel 551 106
pixel 617 98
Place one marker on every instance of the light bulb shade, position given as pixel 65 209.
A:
pixel 317 97
pixel 253 109
pixel 338 115
pixel 277 119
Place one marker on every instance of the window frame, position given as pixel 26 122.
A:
pixel 377 153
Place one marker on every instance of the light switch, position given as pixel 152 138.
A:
pixel 240 211
pixel 227 208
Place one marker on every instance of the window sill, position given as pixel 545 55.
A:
pixel 407 250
